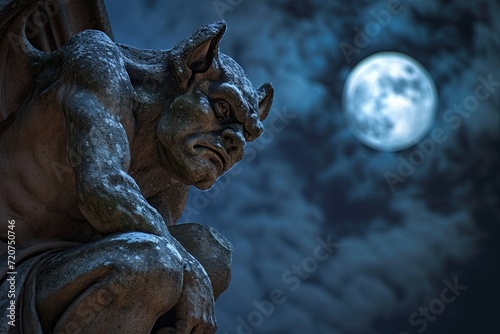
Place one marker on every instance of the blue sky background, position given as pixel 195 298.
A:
pixel 310 178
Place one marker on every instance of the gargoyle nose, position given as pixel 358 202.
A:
pixel 233 141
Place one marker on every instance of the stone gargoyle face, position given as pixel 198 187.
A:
pixel 202 133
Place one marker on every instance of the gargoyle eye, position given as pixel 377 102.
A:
pixel 222 109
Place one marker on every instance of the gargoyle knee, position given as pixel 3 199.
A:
pixel 146 267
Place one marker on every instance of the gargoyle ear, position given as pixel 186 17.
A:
pixel 202 47
pixel 265 95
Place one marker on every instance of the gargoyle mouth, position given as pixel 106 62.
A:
pixel 217 151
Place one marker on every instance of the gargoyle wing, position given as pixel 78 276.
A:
pixel 31 28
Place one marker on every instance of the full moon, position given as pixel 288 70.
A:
pixel 389 100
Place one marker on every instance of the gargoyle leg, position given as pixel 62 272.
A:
pixel 118 284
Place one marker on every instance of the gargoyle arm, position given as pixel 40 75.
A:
pixel 96 99
pixel 99 152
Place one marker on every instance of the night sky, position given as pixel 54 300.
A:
pixel 323 243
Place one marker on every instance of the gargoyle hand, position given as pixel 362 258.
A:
pixel 195 309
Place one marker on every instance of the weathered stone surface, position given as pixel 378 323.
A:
pixel 99 143
pixel 197 239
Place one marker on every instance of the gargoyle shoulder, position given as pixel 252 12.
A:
pixel 92 61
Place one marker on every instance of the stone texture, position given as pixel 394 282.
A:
pixel 99 144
